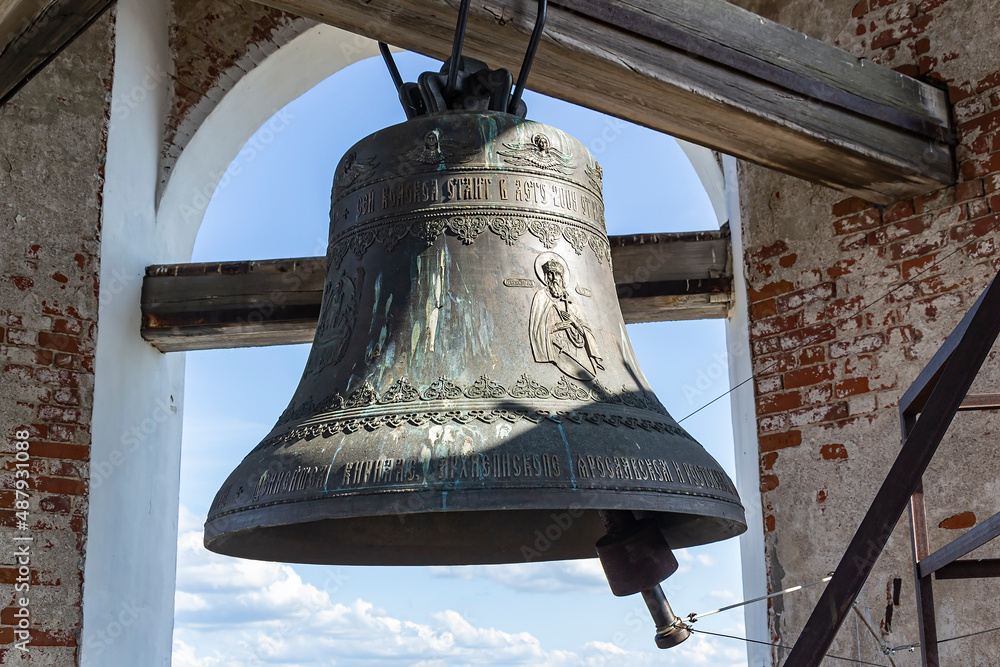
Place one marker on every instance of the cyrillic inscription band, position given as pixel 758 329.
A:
pixel 388 198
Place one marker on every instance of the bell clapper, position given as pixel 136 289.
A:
pixel 636 558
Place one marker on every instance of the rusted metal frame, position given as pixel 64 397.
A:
pixel 956 375
pixel 923 586
pixel 981 402
pixel 985 568
pixel 620 16
pixel 960 546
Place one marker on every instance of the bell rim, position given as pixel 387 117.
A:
pixel 722 518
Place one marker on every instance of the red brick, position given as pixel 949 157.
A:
pixel 769 290
pixel 763 309
pixel 784 402
pixel 61 433
pixel 915 267
pixel 841 268
pixel 21 337
pixel 48 637
pixel 897 212
pixel 70 362
pixel 804 297
pixel 806 377
pixel 977 208
pixel 63 326
pixel 22 373
pixel 53 413
pixel 849 206
pixel 860 345
pixel 969 190
pixel 990 81
pixel 65 396
pixel 774 325
pixel 6 639
pixel 897 231
pixel 958 93
pixel 916 246
pixel 840 308
pixel 768 384
pixel 817 415
pixel 788 261
pixel 767 252
pixel 768 483
pixel 57 504
pixel 851 387
pixel 980 249
pixel 73 487
pixel 59 450
pixel 860 9
pixel 775 441
pixel 768 460
pixel 854 242
pixel 933 201
pixel 959 521
pixel 812 355
pixel 769 519
pixel 869 219
pixel 59 378
pixel 976 228
pixel 811 335
pixel 43 357
pixel 63 343
pixel 833 452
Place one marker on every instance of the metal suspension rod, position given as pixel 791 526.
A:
pixel 456 47
pixel 397 80
pixel 529 56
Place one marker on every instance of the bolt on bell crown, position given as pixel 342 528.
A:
pixel 471 395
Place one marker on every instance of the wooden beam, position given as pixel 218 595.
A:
pixel 276 302
pixel 702 70
pixel 33 32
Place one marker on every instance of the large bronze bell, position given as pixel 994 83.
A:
pixel 472 395
pixel 471 380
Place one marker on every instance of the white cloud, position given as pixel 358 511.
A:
pixel 553 577
pixel 239 613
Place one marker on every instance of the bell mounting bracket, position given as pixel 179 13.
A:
pixel 464 83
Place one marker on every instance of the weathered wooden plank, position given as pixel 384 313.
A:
pixel 33 32
pixel 659 277
pixel 702 70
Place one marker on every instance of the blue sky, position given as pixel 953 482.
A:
pixel 240 613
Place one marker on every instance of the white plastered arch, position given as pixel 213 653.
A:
pixel 291 71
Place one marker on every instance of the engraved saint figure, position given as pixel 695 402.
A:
pixel 557 332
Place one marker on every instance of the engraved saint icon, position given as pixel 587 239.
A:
pixel 557 332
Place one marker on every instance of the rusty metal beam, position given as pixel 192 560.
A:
pixel 960 546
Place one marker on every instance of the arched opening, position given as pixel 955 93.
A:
pixel 271 201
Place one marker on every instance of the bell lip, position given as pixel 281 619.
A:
pixel 727 517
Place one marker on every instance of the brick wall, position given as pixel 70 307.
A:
pixel 848 302
pixel 52 137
